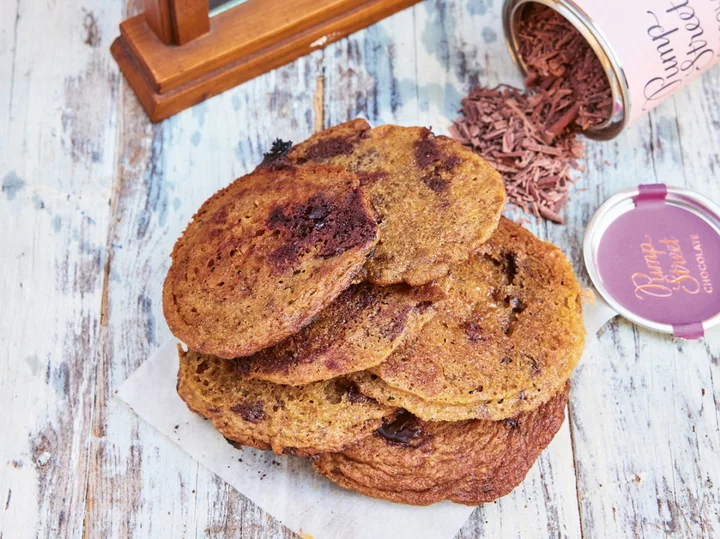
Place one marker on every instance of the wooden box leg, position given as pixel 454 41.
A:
pixel 177 22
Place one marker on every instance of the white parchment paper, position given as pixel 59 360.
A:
pixel 284 486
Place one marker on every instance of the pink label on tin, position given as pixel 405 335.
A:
pixel 661 45
pixel 662 263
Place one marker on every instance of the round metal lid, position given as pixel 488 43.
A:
pixel 653 253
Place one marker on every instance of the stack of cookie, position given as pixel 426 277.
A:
pixel 358 300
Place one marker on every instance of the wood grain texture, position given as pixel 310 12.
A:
pixel 57 155
pixel 190 19
pixel 176 22
pixel 94 196
pixel 168 79
pixel 158 17
pixel 261 24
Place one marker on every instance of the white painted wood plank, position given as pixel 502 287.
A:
pixel 372 74
pixel 458 45
pixel 8 46
pixel 644 413
pixel 165 172
pixel 57 130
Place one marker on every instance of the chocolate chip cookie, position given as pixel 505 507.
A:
pixel 504 341
pixel 419 462
pixel 436 201
pixel 265 255
pixel 359 330
pixel 318 417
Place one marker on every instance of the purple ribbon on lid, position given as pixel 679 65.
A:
pixel 654 192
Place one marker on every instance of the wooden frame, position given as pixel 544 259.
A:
pixel 175 56
pixel 176 22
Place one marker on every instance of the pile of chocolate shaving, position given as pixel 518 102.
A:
pixel 563 68
pixel 502 125
pixel 530 137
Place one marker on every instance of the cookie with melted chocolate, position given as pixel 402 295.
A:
pixel 359 330
pixel 263 256
pixel 469 462
pixel 436 201
pixel 318 417
pixel 505 340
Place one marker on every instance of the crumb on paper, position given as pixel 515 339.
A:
pixel 587 296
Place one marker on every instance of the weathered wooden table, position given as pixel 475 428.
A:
pixel 93 197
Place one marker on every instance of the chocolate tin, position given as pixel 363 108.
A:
pixel 653 254
pixel 649 49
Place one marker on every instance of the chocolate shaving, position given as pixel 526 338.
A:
pixel 562 65
pixel 530 137
pixel 504 126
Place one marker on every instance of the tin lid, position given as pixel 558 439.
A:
pixel 653 253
